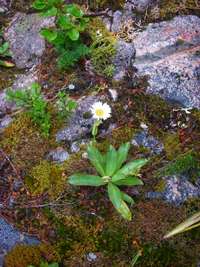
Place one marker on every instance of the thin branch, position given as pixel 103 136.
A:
pixel 10 162
pixel 98 14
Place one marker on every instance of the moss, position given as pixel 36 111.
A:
pixel 160 186
pixel 7 76
pixel 191 206
pixel 113 4
pixel 168 9
pixel 183 164
pixel 114 240
pixel 103 48
pixel 171 8
pixel 22 5
pixel 23 255
pixel 149 225
pixel 140 107
pixel 166 255
pixel 46 177
pixel 24 142
pixel 122 135
pixel 76 164
pixel 172 145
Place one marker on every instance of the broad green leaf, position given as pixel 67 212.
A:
pixel 125 211
pixel 111 161
pixel 50 12
pixel 127 198
pixel 85 180
pixel 188 224
pixel 96 159
pixel 3 48
pixel 50 35
pixel 129 181
pixel 131 168
pixel 115 195
pixel 73 34
pixel 39 4
pixel 6 64
pixel 74 10
pixel 65 22
pixel 122 154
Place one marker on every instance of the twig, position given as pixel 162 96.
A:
pixel 10 162
pixel 98 14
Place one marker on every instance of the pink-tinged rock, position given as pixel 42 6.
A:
pixel 169 54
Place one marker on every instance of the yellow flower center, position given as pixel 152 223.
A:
pixel 99 112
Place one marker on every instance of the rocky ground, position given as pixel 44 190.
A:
pixel 155 98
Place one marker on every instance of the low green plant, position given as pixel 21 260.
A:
pixel 46 264
pixel 112 173
pixel 4 53
pixel 184 163
pixel 65 105
pixel 66 35
pixel 32 100
pixel 103 48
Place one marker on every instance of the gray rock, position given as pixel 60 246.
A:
pixel 148 141
pixel 123 59
pixel 26 43
pixel 91 257
pixel 17 185
pixel 9 237
pixel 177 190
pixel 80 123
pixel 4 5
pixel 76 145
pixel 4 122
pixel 23 81
pixel 58 155
pixel 117 21
pixel 168 53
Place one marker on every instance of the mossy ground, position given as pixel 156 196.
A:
pixel 82 220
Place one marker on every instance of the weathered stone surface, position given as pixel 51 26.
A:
pixel 9 237
pixel 80 123
pixel 4 122
pixel 58 155
pixel 25 41
pixel 148 141
pixel 177 190
pixel 4 5
pixel 123 59
pixel 168 53
pixel 76 145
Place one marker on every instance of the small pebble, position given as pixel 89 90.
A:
pixel 91 257
pixel 71 86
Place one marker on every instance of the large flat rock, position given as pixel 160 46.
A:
pixel 23 35
pixel 169 54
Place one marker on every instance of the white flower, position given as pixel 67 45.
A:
pixel 101 111
pixel 71 86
